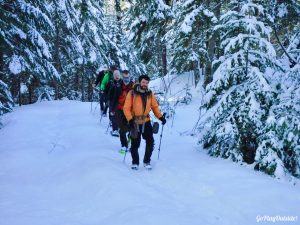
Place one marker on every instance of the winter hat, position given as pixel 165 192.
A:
pixel 145 77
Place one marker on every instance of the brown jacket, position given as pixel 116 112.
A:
pixel 134 105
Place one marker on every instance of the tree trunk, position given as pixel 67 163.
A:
pixel 82 82
pixel 211 45
pixel 1 65
pixel 196 72
pixel 293 62
pixel 56 57
pixel 119 17
pixel 169 2
pixel 19 88
pixel 157 54
pixel 163 44
pixel 164 60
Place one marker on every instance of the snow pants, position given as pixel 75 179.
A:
pixel 103 104
pixel 123 127
pixel 135 143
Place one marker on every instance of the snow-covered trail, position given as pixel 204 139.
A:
pixel 58 167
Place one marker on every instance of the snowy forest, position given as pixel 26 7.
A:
pixel 246 52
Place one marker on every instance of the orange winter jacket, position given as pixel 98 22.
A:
pixel 134 106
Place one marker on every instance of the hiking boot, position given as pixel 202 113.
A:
pixel 148 166
pixel 114 133
pixel 134 167
pixel 123 150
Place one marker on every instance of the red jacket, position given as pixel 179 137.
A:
pixel 122 97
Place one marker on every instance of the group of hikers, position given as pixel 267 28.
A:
pixel 129 104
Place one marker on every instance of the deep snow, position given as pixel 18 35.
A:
pixel 58 167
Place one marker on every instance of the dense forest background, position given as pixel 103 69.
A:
pixel 247 52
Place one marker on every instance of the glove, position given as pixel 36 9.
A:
pixel 131 124
pixel 163 120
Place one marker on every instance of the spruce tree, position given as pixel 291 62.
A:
pixel 126 54
pixel 65 44
pixel 278 152
pixel 94 46
pixel 148 24
pixel 239 98
pixel 6 101
pixel 192 37
pixel 26 53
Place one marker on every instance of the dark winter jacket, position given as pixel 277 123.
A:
pixel 99 78
pixel 114 90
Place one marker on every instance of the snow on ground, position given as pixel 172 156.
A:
pixel 58 167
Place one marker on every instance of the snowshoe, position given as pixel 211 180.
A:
pixel 148 166
pixel 103 114
pixel 114 133
pixel 123 150
pixel 134 167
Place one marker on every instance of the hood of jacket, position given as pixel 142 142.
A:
pixel 137 89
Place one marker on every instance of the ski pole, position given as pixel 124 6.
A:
pixel 162 129
pixel 92 101
pixel 93 95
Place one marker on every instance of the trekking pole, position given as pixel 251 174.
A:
pixel 162 129
pixel 92 101
pixel 93 96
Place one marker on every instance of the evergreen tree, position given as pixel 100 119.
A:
pixel 278 152
pixel 6 101
pixel 191 35
pixel 284 19
pixel 114 31
pixel 126 56
pixel 94 45
pixel 148 24
pixel 66 46
pixel 25 52
pixel 239 98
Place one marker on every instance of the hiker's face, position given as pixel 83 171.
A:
pixel 144 84
pixel 117 76
pixel 125 75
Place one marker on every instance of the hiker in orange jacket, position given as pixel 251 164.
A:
pixel 138 104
